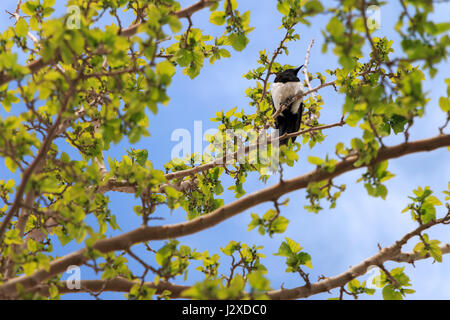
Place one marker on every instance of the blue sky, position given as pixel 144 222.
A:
pixel 336 239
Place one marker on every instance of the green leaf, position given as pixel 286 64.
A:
pixel 53 290
pixel 77 43
pixel 433 201
pixel 389 293
pixel 313 7
pixel 293 246
pixel 254 223
pixel 162 255
pixel 315 160
pixel 34 24
pixel 408 291
pixel 165 68
pixel 49 3
pixel 238 41
pixel 29 7
pixel 284 250
pixel 21 27
pixel 10 164
pixel 13 237
pixel 258 281
pixel 436 252
pixel 230 248
pixel 335 27
pixel 217 18
pixel 29 267
pixel 444 103
pixel 428 213
pixel 305 259
pixel 66 54
pixel 183 57
pixel 230 112
pixel 172 192
pixel 174 23
pixel 10 184
pixel 420 248
pixel 224 53
pixel 357 144
pixel 283 7
pixel 279 225
pixel 382 191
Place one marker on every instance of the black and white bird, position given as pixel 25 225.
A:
pixel 285 86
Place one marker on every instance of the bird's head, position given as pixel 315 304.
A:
pixel 295 71
pixel 288 75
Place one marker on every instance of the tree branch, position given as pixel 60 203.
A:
pixel 392 253
pixel 277 51
pixel 16 16
pixel 37 160
pixel 305 67
pixel 146 233
pixel 125 285
pixel 114 285
pixel 301 95
pixel 37 65
pixel 222 161
pixel 410 257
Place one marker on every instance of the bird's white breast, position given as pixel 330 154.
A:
pixel 282 91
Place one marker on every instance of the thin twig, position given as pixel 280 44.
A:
pixel 305 68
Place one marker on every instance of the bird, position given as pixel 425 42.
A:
pixel 285 86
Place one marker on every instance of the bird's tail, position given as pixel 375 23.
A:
pixel 289 123
pixel 283 128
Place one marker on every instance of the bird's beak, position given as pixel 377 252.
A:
pixel 298 69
